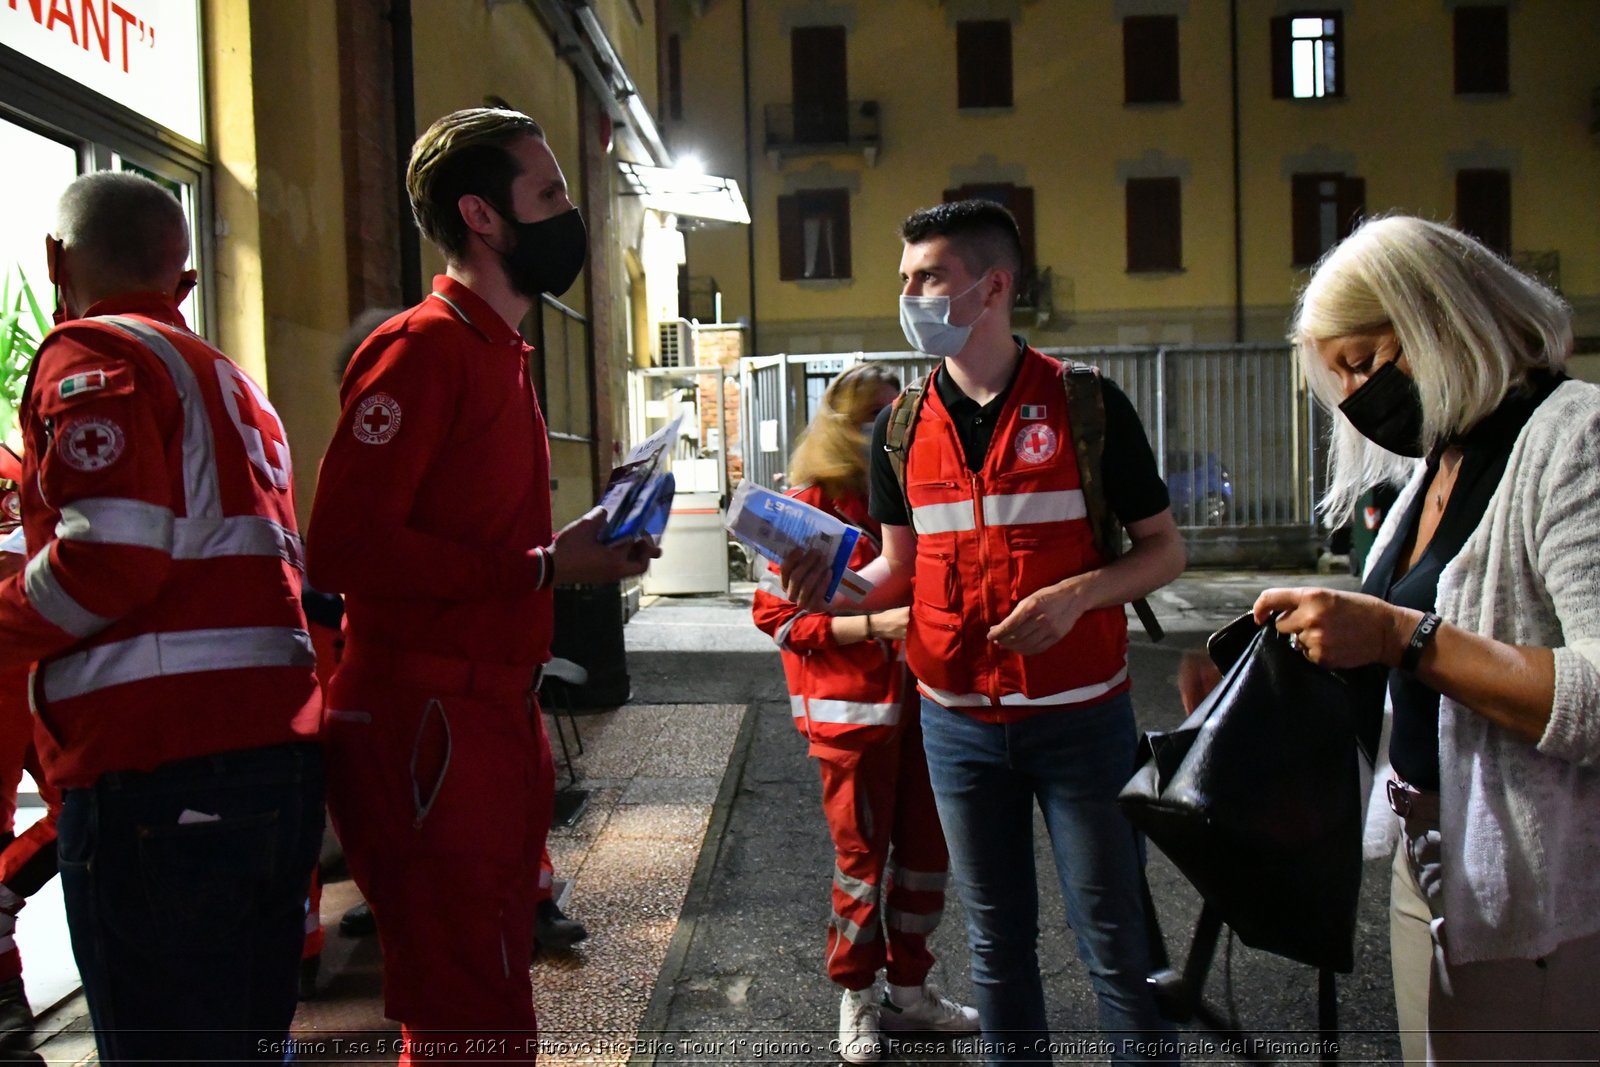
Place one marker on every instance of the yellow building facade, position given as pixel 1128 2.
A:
pixel 1183 161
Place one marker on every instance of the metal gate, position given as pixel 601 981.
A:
pixel 1238 439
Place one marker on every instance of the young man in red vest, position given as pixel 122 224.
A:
pixel 432 518
pixel 1017 637
pixel 160 606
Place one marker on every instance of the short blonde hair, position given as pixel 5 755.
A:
pixel 464 152
pixel 1471 326
pixel 832 452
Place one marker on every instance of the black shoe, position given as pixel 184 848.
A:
pixel 308 977
pixel 553 930
pixel 16 1018
pixel 358 922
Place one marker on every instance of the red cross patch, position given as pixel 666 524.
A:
pixel 257 422
pixel 377 419
pixel 1036 443
pixel 90 445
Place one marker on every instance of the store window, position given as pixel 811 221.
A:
pixel 1308 56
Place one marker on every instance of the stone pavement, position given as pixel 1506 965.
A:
pixel 702 866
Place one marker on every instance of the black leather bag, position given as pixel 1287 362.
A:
pixel 1256 798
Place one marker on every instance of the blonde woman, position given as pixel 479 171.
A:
pixel 852 699
pixel 1482 595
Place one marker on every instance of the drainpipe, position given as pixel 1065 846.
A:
pixel 1238 206
pixel 749 168
pixel 405 132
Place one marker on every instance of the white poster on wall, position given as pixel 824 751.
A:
pixel 144 54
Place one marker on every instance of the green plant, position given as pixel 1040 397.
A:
pixel 23 325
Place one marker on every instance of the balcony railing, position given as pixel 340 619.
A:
pixel 800 129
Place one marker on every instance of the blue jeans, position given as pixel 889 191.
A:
pixel 986 778
pixel 185 893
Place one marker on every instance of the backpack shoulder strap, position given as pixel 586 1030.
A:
pixel 1086 410
pixel 903 416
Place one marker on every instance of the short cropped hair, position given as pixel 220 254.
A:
pixel 131 230
pixel 465 152
pixel 1470 324
pixel 983 233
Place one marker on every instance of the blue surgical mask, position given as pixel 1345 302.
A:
pixel 925 320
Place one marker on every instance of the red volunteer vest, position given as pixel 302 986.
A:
pixel 220 659
pixel 848 695
pixel 988 539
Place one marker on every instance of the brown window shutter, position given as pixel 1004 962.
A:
pixel 1282 59
pixel 1154 224
pixel 1483 207
pixel 1304 218
pixel 838 201
pixel 983 63
pixel 1352 204
pixel 791 239
pixel 1482 48
pixel 818 71
pixel 1021 206
pixel 1150 59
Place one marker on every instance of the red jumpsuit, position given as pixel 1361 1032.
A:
pixel 431 516
pixel 858 709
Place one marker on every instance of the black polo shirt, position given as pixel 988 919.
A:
pixel 1134 488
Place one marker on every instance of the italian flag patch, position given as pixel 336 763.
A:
pixel 87 382
pixel 1033 411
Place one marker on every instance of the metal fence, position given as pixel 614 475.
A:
pixel 1238 440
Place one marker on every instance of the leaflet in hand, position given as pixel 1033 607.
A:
pixel 638 497
pixel 775 525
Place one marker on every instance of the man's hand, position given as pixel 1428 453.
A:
pixel 1041 619
pixel 1197 677
pixel 805 575
pixel 580 557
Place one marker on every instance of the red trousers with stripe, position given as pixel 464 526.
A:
pixel 27 861
pixel 420 782
pixel 890 862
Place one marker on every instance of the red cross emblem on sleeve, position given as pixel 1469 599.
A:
pixel 90 445
pixel 1036 443
pixel 258 424
pixel 377 419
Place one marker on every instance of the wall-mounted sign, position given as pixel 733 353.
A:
pixel 144 54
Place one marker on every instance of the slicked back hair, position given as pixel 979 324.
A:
pixel 465 152
pixel 983 233
pixel 129 228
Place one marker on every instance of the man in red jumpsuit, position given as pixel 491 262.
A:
pixel 177 709
pixel 432 518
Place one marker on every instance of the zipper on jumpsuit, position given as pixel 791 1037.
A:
pixel 986 585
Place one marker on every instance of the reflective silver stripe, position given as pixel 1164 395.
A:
pixel 1068 696
pixel 50 600
pixel 771 584
pixel 781 638
pixel 854 888
pixel 943 518
pixel 182 652
pixel 202 498
pixel 918 881
pixel 239 535
pixel 911 923
pixel 1057 506
pixel 846 712
pixel 853 933
pixel 114 521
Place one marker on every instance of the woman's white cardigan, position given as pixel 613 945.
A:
pixel 1520 822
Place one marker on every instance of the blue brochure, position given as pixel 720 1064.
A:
pixel 638 498
pixel 775 525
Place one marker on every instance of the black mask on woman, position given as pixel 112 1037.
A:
pixel 1387 410
pixel 547 255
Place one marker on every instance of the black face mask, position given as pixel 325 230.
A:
pixel 1387 410
pixel 547 255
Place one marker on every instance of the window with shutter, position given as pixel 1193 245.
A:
pixel 1308 55
pixel 814 235
pixel 821 87
pixel 983 63
pixel 1155 225
pixel 1483 207
pixel 1325 209
pixel 1483 63
pixel 1150 59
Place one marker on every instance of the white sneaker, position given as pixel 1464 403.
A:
pixel 930 1011
pixel 860 1041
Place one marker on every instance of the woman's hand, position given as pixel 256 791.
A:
pixel 891 623
pixel 1197 677
pixel 1338 630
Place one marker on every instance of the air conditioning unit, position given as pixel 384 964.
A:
pixel 675 344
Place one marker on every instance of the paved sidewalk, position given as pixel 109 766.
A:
pixel 702 867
